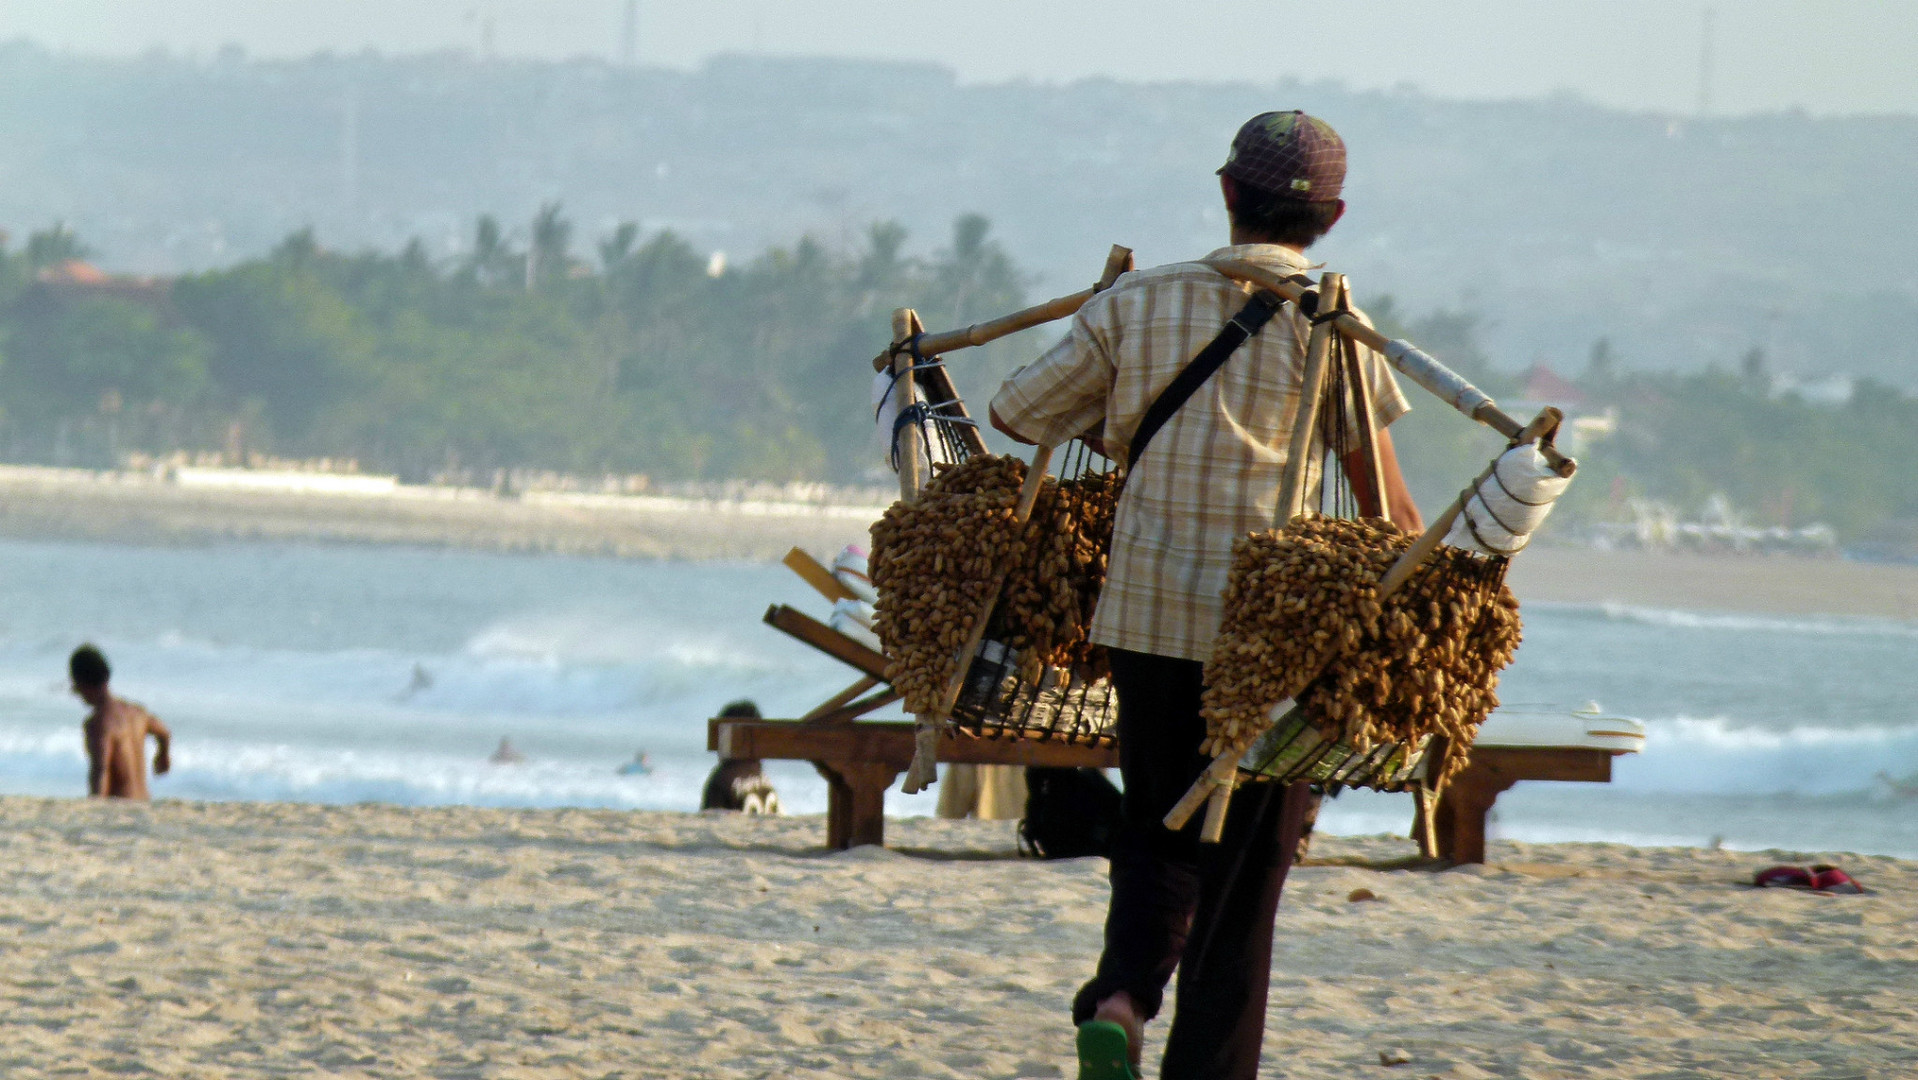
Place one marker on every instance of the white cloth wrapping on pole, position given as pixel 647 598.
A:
pixel 1448 385
pixel 1510 503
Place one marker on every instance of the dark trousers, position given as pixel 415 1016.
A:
pixel 1206 909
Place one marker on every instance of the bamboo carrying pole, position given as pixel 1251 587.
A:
pixel 905 386
pixel 1305 420
pixel 1371 494
pixel 1215 784
pixel 924 771
pixel 1448 385
pixel 1118 261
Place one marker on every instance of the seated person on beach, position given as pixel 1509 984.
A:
pixel 739 783
pixel 116 732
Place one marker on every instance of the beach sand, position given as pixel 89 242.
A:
pixel 69 505
pixel 1754 584
pixel 238 940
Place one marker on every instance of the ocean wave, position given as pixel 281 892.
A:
pixel 251 771
pixel 1725 733
pixel 52 762
pixel 543 667
pixel 1722 755
pixel 1679 619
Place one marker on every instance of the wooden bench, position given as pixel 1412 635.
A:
pixel 1527 743
pixel 1465 802
pixel 861 760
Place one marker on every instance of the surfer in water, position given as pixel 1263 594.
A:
pixel 422 680
pixel 1903 789
pixel 507 754
pixel 641 765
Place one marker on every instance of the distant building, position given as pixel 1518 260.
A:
pixel 1541 387
pixel 1544 384
pixel 79 278
pixel 1716 526
pixel 1831 391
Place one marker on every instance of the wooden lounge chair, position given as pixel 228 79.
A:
pixel 1527 743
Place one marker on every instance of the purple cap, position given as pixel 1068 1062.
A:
pixel 1288 154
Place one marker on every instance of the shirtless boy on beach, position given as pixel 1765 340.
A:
pixel 116 732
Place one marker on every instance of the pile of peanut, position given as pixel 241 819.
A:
pixel 1303 620
pixel 936 560
pixel 1047 607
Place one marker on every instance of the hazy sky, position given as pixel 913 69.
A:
pixel 1825 56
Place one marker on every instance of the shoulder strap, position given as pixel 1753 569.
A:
pixel 1249 321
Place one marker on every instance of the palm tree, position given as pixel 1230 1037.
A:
pixel 552 236
pixel 298 249
pixel 977 275
pixel 51 247
pixel 617 248
pixel 489 250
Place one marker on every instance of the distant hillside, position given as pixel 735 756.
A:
pixel 1685 243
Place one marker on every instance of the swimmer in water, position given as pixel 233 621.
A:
pixel 422 680
pixel 116 732
pixel 507 754
pixel 641 765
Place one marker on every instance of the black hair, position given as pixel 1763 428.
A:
pixel 743 709
pixel 88 666
pixel 1281 220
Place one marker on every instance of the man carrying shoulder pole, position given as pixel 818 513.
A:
pixel 1212 474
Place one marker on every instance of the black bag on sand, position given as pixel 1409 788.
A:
pixel 1070 813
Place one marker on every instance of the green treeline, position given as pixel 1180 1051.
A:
pixel 1780 458
pixel 650 356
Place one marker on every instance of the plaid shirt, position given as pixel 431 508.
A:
pixel 1212 472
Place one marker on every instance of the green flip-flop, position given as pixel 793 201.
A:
pixel 1104 1053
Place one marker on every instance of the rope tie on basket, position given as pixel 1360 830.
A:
pixel 922 414
pixel 1471 526
pixel 1471 522
pixel 1491 513
pixel 1516 506
pixel 1311 311
pixel 1500 480
pixel 910 346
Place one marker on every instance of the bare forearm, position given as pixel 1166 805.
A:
pixel 96 757
pixel 1002 428
pixel 106 767
pixel 161 761
pixel 1399 505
